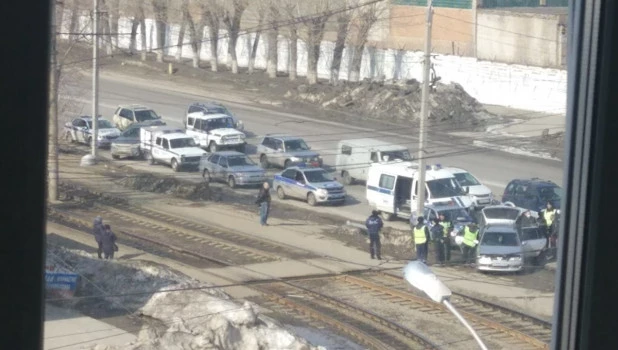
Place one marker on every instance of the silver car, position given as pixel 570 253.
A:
pixel 311 184
pixel 233 167
pixel 286 151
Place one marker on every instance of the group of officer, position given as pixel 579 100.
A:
pixel 439 232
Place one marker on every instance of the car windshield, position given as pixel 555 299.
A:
pixel 216 110
pixel 550 193
pixel 466 179
pixel 317 176
pixel 392 155
pixel 239 161
pixel 501 213
pixel 102 124
pixel 183 142
pixel 296 145
pixel 501 239
pixel 144 115
pixel 220 123
pixel 442 188
pixel 455 215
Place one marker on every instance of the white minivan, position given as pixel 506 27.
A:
pixel 392 188
pixel 355 156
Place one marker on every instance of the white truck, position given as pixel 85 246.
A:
pixel 215 131
pixel 392 188
pixel 354 157
pixel 169 145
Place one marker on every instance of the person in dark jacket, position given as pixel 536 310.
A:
pixel 374 224
pixel 97 231
pixel 421 237
pixel 263 201
pixel 437 237
pixel 447 225
pixel 108 242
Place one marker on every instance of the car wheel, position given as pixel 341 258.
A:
pixel 149 158
pixel 206 175
pixel 287 164
pixel 386 216
pixel 212 147
pixel 280 192
pixel 311 199
pixel 346 178
pixel 175 165
pixel 264 161
pixel 115 156
pixel 231 181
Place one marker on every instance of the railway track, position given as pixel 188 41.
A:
pixel 491 321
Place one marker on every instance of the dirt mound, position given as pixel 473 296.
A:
pixel 554 143
pixel 169 185
pixel 449 104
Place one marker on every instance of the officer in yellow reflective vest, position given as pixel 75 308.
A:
pixel 447 226
pixel 421 237
pixel 548 215
pixel 468 245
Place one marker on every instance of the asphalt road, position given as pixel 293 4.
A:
pixel 494 168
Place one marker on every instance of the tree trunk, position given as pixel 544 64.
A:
pixel 342 33
pixel 313 55
pixel 133 40
pixel 181 39
pixel 161 33
pixel 196 34
pixel 142 25
pixel 293 63
pixel 214 47
pixel 231 50
pixel 398 63
pixel 60 17
pixel 74 25
pixel 273 54
pixel 114 12
pixel 355 66
pixel 256 42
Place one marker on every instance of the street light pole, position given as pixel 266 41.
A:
pixel 91 159
pixel 463 321
pixel 52 162
pixel 420 199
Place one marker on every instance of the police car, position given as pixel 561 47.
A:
pixel 458 215
pixel 311 184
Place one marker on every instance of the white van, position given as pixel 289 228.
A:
pixel 392 188
pixel 354 157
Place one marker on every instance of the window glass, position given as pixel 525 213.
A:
pixel 159 141
pixel 466 179
pixel 530 233
pixel 290 173
pixel 166 144
pixel 144 115
pixel 295 145
pixel 214 159
pixel 505 239
pixel 374 157
pixel 190 121
pixel 223 162
pixel 387 181
pixel 193 109
pixel 346 150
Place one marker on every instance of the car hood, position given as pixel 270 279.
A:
pixel 327 185
pixel 303 154
pixel 189 151
pixel 109 132
pixel 226 132
pixel 479 190
pixel 499 250
pixel 246 168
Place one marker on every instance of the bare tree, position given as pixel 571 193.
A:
pixel 159 8
pixel 196 31
pixel 104 23
pixel 292 12
pixel 142 25
pixel 181 38
pixel 364 18
pixel 272 61
pixel 343 23
pixel 212 13
pixel 260 10
pixel 232 14
pixel 74 23
pixel 318 13
pixel 114 16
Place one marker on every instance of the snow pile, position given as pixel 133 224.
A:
pixel 170 185
pixel 179 312
pixel 450 104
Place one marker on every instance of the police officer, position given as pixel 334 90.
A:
pixel 548 216
pixel 469 242
pixel 421 237
pixel 437 237
pixel 374 225
pixel 447 227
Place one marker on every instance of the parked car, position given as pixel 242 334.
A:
pixel 453 212
pixel 215 132
pixel 168 145
pixel 286 151
pixel 80 130
pixel 126 115
pixel 211 107
pixel 502 215
pixel 532 194
pixel 480 194
pixel 311 184
pixel 128 143
pixel 233 167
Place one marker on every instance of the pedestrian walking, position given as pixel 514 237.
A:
pixel 263 201
pixel 437 238
pixel 421 237
pixel 469 242
pixel 374 224
pixel 97 231
pixel 108 242
pixel 447 227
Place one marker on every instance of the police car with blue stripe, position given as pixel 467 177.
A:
pixel 311 184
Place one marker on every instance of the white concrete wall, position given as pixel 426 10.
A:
pixel 517 86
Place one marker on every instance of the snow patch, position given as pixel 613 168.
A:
pixel 515 150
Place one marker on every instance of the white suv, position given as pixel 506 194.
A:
pixel 215 131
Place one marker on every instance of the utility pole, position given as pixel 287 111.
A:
pixel 52 160
pixel 91 159
pixel 420 199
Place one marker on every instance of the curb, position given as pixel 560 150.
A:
pixel 515 150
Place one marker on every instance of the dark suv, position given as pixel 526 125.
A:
pixel 532 194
